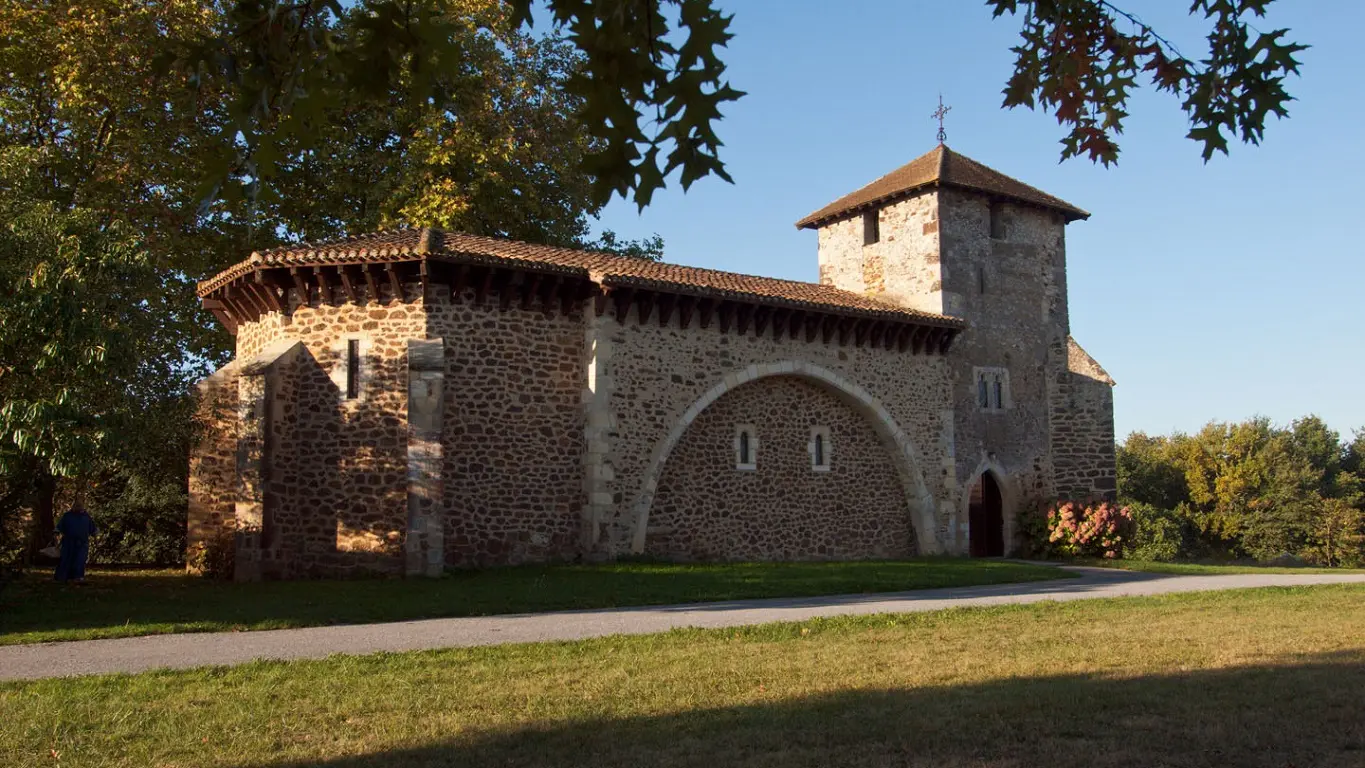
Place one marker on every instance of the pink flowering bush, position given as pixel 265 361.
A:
pixel 1094 530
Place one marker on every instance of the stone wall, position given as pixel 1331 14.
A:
pixel 785 508
pixel 901 268
pixel 937 253
pixel 339 475
pixel 213 463
pixel 334 497
pixel 513 443
pixel 1012 291
pixel 650 382
pixel 1083 430
pixel 254 337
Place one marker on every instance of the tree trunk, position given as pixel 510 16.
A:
pixel 44 522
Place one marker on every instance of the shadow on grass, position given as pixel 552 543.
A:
pixel 1307 713
pixel 120 604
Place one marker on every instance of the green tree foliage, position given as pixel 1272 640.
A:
pixel 1157 535
pixel 1081 59
pixel 650 82
pixel 1248 490
pixel 103 152
pixel 86 358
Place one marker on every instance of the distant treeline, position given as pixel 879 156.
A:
pixel 1247 490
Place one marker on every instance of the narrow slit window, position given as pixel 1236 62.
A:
pixel 983 396
pixel 871 227
pixel 981 280
pixel 746 447
pixel 819 449
pixel 997 221
pixel 352 369
pixel 999 395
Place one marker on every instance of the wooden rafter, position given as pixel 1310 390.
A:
pixel 861 328
pixel 506 293
pixel 705 308
pixel 845 327
pixel 946 342
pixel 346 284
pixel 459 278
pixel 666 304
pixel 874 333
pixel 530 285
pixel 646 302
pixel 483 286
pixel 301 285
pixel 686 304
pixel 548 287
pixel 257 304
pixel 744 314
pixel 569 294
pixel 395 282
pixel 761 317
pixel 622 298
pixel 222 313
pixel 242 311
pixel 726 310
pixel 371 285
pixel 324 286
pixel 917 337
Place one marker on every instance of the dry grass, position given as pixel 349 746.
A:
pixel 1269 677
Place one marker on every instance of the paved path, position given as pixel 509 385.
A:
pixel 136 654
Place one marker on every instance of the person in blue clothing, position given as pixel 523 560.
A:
pixel 76 528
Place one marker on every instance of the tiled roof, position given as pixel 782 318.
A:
pixel 940 166
pixel 602 268
pixel 1080 361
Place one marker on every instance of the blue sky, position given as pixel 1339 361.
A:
pixel 1209 292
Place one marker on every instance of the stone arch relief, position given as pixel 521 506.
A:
pixel 919 502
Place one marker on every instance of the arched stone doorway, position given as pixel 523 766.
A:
pixel 986 518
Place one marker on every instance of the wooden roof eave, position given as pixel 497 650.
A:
pixel 950 324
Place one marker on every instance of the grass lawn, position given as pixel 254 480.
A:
pixel 1266 677
pixel 1198 569
pixel 126 603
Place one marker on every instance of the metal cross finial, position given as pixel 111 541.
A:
pixel 939 113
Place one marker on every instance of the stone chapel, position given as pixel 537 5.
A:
pixel 415 400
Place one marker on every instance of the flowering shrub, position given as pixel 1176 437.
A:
pixel 1096 530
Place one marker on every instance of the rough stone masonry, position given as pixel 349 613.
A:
pixel 415 400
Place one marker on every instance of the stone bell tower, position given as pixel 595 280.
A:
pixel 947 234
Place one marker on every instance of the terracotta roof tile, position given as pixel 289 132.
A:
pixel 602 268
pixel 940 166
